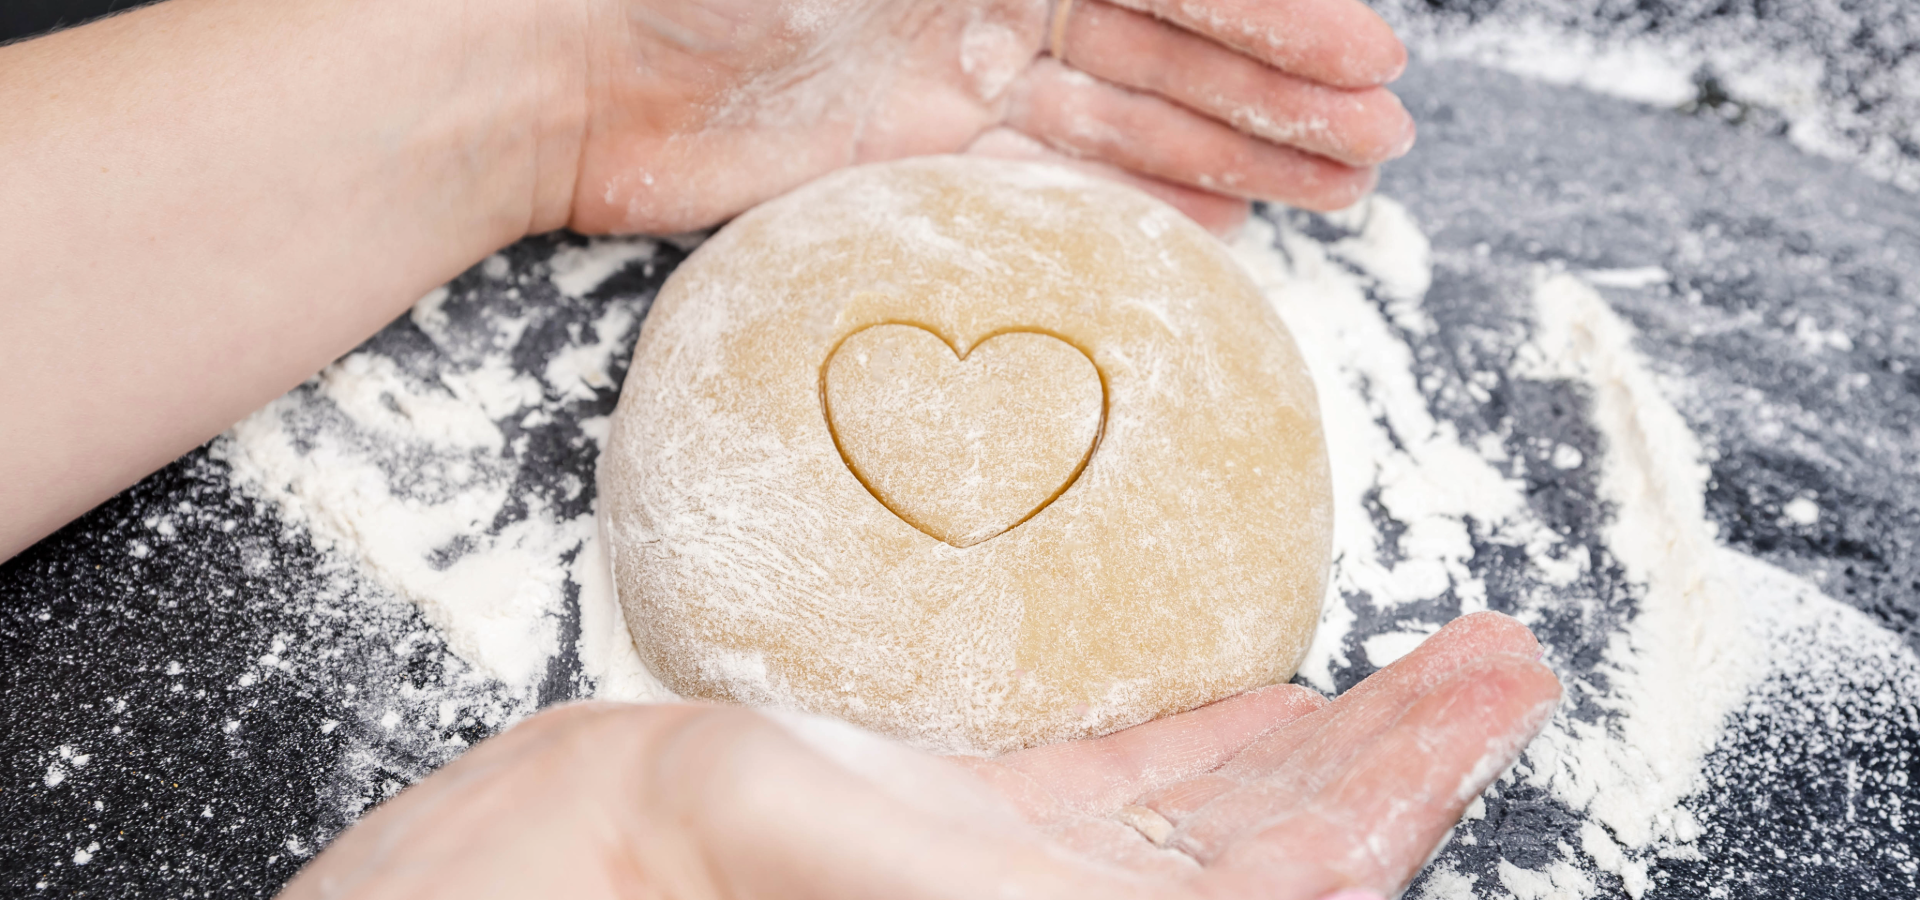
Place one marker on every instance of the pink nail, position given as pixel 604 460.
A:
pixel 1353 894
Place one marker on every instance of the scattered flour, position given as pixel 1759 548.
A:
pixel 1383 439
pixel 578 270
pixel 413 476
pixel 1829 76
pixel 1710 623
pixel 1631 773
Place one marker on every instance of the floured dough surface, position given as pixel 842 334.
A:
pixel 977 454
pixel 962 448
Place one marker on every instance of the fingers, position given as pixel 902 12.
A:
pixel 1461 641
pixel 1089 119
pixel 1356 127
pixel 1375 824
pixel 1320 761
pixel 1340 43
pixel 1282 768
pixel 1100 775
pixel 1219 214
pixel 1308 120
pixel 1372 705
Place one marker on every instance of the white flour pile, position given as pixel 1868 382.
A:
pixel 413 479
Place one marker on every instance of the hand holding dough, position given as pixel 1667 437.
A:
pixel 980 455
pixel 1274 793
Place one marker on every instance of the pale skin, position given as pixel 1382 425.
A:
pixel 1277 794
pixel 205 201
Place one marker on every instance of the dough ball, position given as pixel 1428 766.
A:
pixel 977 454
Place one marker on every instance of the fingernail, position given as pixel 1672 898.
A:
pixel 1354 894
pixel 1394 73
pixel 1407 136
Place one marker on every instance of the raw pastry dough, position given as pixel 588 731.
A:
pixel 977 454
pixel 962 448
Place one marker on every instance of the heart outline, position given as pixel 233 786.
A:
pixel 1099 433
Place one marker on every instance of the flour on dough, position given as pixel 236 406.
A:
pixel 962 448
pixel 1183 563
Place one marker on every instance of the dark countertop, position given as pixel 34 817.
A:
pixel 229 698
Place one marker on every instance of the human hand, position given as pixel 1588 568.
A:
pixel 1274 793
pixel 276 181
pixel 697 111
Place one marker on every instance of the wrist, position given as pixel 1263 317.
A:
pixel 522 68
pixel 274 182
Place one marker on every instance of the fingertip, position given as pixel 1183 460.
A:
pixel 1546 684
pixel 1520 695
pixel 1406 143
pixel 1523 685
pixel 1343 188
pixel 1468 643
pixel 1485 616
pixel 1496 633
pixel 1374 128
pixel 1375 56
pixel 1224 217
pixel 1396 62
pixel 1409 134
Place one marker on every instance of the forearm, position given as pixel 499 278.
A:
pixel 205 201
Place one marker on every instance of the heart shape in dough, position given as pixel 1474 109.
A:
pixel 963 445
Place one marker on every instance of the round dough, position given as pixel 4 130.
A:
pixel 977 454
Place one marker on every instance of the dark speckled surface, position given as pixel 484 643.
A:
pixel 1757 238
pixel 219 775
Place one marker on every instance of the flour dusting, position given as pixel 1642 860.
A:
pixel 412 470
pixel 1709 625
pixel 1831 77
